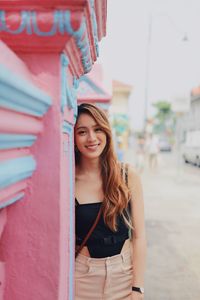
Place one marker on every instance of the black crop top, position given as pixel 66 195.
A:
pixel 103 242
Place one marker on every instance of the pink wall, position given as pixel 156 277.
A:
pixel 31 239
pixel 35 239
pixel 37 232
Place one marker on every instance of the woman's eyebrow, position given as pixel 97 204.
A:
pixel 81 127
pixel 85 127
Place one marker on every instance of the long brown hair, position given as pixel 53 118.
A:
pixel 116 192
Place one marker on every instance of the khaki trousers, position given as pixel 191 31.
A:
pixel 108 278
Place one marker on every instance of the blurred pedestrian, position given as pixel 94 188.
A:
pixel 119 150
pixel 140 154
pixel 153 151
pixel 109 204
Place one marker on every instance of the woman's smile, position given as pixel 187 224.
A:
pixel 92 147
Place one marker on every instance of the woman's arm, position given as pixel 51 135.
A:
pixel 138 234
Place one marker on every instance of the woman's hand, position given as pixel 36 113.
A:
pixel 137 296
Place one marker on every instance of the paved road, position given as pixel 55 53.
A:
pixel 172 209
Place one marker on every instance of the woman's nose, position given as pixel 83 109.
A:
pixel 91 136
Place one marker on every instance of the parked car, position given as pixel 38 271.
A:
pixel 191 148
pixel 191 155
pixel 164 145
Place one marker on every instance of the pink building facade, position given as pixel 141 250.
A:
pixel 92 90
pixel 45 47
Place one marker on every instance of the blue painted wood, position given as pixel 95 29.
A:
pixel 20 95
pixel 64 86
pixel 87 86
pixel 75 85
pixel 94 27
pixel 11 200
pixel 68 94
pixel 15 170
pixel 67 128
pixel 62 25
pixel 10 141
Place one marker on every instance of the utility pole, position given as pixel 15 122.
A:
pixel 148 56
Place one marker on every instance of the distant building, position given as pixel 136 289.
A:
pixel 92 90
pixel 120 112
pixel 189 121
pixel 120 98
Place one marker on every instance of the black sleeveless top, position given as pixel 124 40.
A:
pixel 103 242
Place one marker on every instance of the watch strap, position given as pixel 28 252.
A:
pixel 138 289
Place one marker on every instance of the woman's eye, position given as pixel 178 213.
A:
pixel 98 129
pixel 82 132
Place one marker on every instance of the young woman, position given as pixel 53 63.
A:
pixel 111 264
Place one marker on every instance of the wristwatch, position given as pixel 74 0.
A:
pixel 138 289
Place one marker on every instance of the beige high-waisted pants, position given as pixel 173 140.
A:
pixel 108 278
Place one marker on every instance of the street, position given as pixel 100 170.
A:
pixel 172 212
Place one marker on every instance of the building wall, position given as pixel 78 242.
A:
pixel 42 55
pixel 120 103
pixel 120 115
pixel 189 121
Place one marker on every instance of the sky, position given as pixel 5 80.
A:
pixel 144 47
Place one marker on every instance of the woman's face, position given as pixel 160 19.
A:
pixel 90 139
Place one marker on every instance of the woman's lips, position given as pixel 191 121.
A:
pixel 92 147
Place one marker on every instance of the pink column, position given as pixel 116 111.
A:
pixel 45 49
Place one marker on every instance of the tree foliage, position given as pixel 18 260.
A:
pixel 120 123
pixel 163 110
pixel 165 119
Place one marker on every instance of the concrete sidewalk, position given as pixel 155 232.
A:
pixel 172 210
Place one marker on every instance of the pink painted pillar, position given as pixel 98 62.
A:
pixel 45 49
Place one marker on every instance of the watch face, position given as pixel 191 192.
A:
pixel 142 290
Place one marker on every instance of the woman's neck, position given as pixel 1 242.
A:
pixel 88 166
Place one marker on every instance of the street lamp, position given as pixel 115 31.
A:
pixel 184 39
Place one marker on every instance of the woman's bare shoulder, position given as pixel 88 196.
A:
pixel 133 176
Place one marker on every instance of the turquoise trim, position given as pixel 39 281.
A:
pixel 71 97
pixel 64 64
pixel 25 22
pixel 75 82
pixel 15 170
pixel 62 25
pixel 20 95
pixel 68 94
pixel 53 30
pixel 92 85
pixel 82 41
pixel 10 141
pixel 75 86
pixel 104 106
pixel 94 27
pixel 6 203
pixel 68 129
